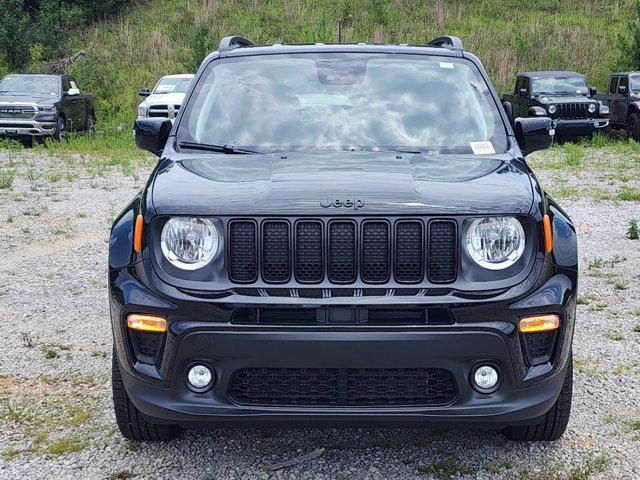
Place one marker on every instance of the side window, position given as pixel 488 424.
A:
pixel 613 86
pixel 525 85
pixel 516 91
pixel 624 82
pixel 66 84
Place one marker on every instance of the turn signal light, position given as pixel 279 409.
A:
pixel 137 234
pixel 548 235
pixel 539 323
pixel 146 323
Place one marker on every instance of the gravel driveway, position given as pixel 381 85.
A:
pixel 56 416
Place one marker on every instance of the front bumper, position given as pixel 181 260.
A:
pixel 14 128
pixel 579 127
pixel 484 332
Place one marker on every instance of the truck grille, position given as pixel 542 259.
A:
pixel 572 110
pixel 165 111
pixel 343 386
pixel 17 111
pixel 342 251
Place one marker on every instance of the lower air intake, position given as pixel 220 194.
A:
pixel 343 386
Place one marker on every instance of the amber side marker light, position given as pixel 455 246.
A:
pixel 137 234
pixel 539 323
pixel 146 323
pixel 548 235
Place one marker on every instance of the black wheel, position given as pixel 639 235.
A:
pixel 27 141
pixel 633 126
pixel 130 420
pixel 91 122
pixel 61 128
pixel 554 422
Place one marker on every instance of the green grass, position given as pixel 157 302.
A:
pixel 6 179
pixel 634 232
pixel 628 194
pixel 66 445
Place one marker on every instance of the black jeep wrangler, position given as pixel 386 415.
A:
pixel 562 96
pixel 623 100
pixel 342 234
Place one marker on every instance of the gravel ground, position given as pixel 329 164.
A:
pixel 56 416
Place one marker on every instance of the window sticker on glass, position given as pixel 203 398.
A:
pixel 446 65
pixel 482 148
pixel 73 84
pixel 165 88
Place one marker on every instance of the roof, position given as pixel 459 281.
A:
pixel 342 47
pixel 551 73
pixel 180 75
pixel 626 73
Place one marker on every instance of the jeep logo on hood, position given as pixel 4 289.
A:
pixel 354 203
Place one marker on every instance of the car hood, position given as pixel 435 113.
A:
pixel 565 99
pixel 341 184
pixel 164 99
pixel 44 99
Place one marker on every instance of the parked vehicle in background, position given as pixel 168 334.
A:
pixel 38 106
pixel 166 97
pixel 562 96
pixel 342 233
pixel 623 100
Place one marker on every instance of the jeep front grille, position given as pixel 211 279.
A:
pixel 342 251
pixel 572 110
pixel 337 387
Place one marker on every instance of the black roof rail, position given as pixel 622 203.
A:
pixel 448 41
pixel 232 41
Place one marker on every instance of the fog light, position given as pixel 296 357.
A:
pixel 199 377
pixel 486 378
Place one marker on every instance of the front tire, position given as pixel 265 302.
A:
pixel 61 128
pixel 554 422
pixel 633 126
pixel 130 420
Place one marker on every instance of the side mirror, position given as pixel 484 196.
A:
pixel 523 92
pixel 622 89
pixel 592 91
pixel 144 92
pixel 152 133
pixel 534 133
pixel 508 107
pixel 73 92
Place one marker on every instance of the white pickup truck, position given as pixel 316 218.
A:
pixel 166 97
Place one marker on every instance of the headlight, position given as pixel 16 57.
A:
pixel 552 109
pixel 189 243
pixel 142 110
pixel 592 108
pixel 47 109
pixel 496 242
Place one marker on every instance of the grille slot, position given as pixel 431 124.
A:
pixel 572 110
pixel 309 257
pixel 442 251
pixel 342 386
pixel 375 252
pixel 409 265
pixel 342 252
pixel 243 258
pixel 276 263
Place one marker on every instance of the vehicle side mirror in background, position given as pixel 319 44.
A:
pixel 73 92
pixel 508 107
pixel 592 91
pixel 534 133
pixel 144 92
pixel 152 133
pixel 622 89
pixel 523 92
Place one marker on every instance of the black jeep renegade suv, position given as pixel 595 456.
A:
pixel 342 234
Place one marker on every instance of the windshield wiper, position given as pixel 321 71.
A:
pixel 227 149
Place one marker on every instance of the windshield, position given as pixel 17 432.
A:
pixel 340 101
pixel 560 85
pixel 30 84
pixel 635 83
pixel 173 85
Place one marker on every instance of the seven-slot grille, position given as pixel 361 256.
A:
pixel 572 110
pixel 342 251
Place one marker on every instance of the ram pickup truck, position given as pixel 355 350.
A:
pixel 562 96
pixel 623 100
pixel 166 97
pixel 342 234
pixel 38 106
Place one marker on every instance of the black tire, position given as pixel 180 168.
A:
pixel 61 128
pixel 26 141
pixel 91 122
pixel 130 420
pixel 554 422
pixel 633 126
